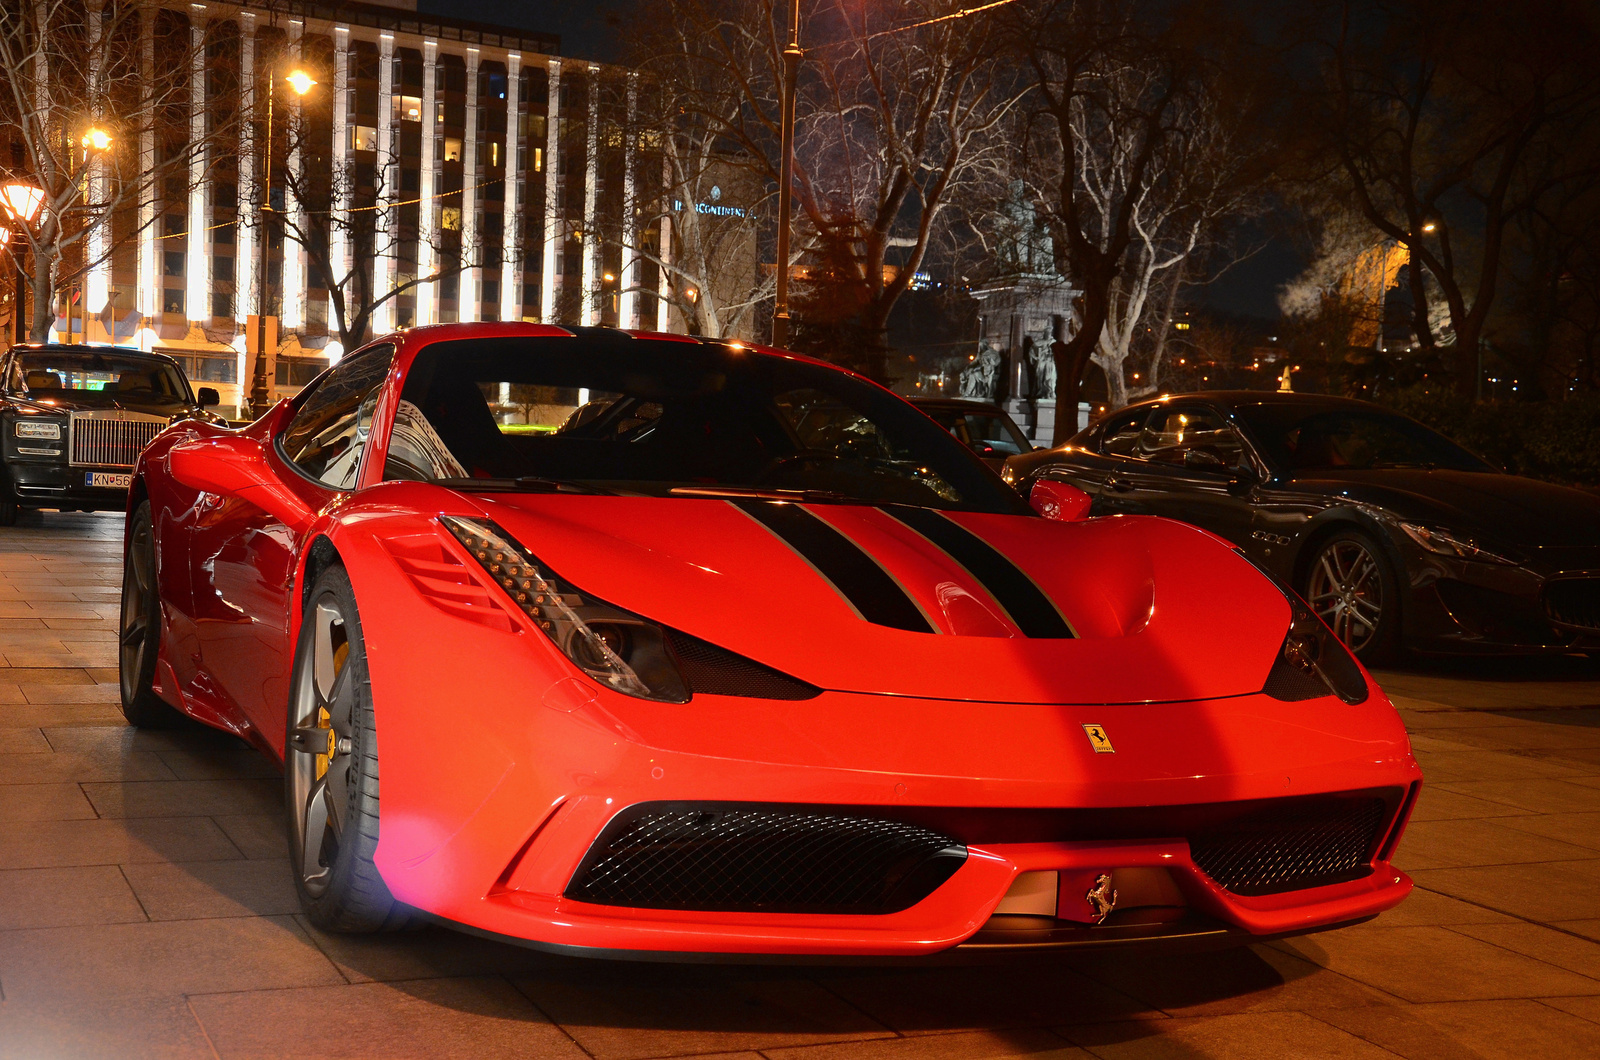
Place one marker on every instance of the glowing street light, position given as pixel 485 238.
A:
pixel 1429 226
pixel 301 82
pixel 96 139
pixel 21 201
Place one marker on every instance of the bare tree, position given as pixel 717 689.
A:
pixel 345 229
pixel 706 107
pixel 1429 109
pixel 1197 179
pixel 905 116
pixel 69 68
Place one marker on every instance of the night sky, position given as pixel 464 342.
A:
pixel 1249 289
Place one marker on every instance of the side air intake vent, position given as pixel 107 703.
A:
pixel 742 857
pixel 717 672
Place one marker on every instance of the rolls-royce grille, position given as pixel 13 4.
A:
pixel 1285 848
pixel 101 441
pixel 752 858
pixel 1573 602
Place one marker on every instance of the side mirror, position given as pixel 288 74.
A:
pixel 235 466
pixel 1061 501
pixel 208 396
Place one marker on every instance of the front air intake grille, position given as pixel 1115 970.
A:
pixel 1573 602
pixel 717 672
pixel 1289 847
pixel 742 857
pixel 101 439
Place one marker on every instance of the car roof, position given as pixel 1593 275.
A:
pixel 79 347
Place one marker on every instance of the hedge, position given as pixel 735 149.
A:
pixel 1558 441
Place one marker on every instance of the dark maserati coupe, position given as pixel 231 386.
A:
pixel 74 418
pixel 981 426
pixel 1397 536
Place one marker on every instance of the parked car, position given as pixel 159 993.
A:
pixel 981 426
pixel 1396 536
pixel 749 657
pixel 74 419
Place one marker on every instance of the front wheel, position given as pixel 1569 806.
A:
pixel 139 631
pixel 1351 586
pixel 331 769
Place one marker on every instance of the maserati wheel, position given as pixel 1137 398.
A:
pixel 139 631
pixel 1351 587
pixel 331 769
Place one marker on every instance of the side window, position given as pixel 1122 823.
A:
pixel 327 435
pixel 1121 434
pixel 1173 432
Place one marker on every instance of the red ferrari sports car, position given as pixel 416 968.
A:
pixel 680 646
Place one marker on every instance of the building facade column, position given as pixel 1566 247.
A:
pixel 148 286
pixel 511 230
pixel 293 270
pixel 591 192
pixel 97 283
pixel 554 238
pixel 339 223
pixel 197 266
pixel 247 300
pixel 628 278
pixel 428 208
pixel 469 292
pixel 386 235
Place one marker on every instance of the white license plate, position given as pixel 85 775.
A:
pixel 107 479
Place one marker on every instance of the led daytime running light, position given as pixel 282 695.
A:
pixel 542 599
pixel 34 429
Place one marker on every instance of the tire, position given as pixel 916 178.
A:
pixel 330 776
pixel 1351 585
pixel 139 630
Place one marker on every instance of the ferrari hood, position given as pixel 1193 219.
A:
pixel 913 602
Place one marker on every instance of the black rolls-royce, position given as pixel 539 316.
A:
pixel 73 418
pixel 1396 535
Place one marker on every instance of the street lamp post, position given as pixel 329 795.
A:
pixel 20 201
pixel 301 82
pixel 791 72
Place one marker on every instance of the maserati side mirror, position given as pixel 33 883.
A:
pixel 208 396
pixel 1204 458
pixel 1057 500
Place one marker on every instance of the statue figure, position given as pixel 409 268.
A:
pixel 1040 348
pixel 980 379
pixel 1024 245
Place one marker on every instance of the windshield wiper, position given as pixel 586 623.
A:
pixel 520 484
pixel 761 493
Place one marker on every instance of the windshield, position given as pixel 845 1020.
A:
pixel 986 433
pixel 1300 439
pixel 672 419
pixel 94 377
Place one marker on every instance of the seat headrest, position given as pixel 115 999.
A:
pixel 42 380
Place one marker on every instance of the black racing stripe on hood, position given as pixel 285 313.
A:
pixel 853 574
pixel 1024 601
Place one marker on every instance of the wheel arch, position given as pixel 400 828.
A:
pixel 321 555
pixel 1337 521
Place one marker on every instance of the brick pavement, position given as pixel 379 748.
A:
pixel 146 909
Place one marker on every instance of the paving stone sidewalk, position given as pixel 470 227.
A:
pixel 146 909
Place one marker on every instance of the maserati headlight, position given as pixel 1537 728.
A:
pixel 621 650
pixel 36 429
pixel 1444 543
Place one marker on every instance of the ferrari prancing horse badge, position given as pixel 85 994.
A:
pixel 1099 740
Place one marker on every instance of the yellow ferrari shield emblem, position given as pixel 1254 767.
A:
pixel 1099 740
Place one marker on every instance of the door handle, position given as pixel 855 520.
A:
pixel 1116 484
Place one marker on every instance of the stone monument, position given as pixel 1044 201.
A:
pixel 1023 314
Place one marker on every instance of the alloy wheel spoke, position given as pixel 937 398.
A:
pixel 1328 571
pixel 133 634
pixel 324 667
pixel 316 825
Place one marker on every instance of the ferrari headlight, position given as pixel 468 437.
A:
pixel 1311 661
pixel 619 649
pixel 36 429
pixel 1444 543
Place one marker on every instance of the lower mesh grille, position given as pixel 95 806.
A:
pixel 1574 602
pixel 739 857
pixel 1285 848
